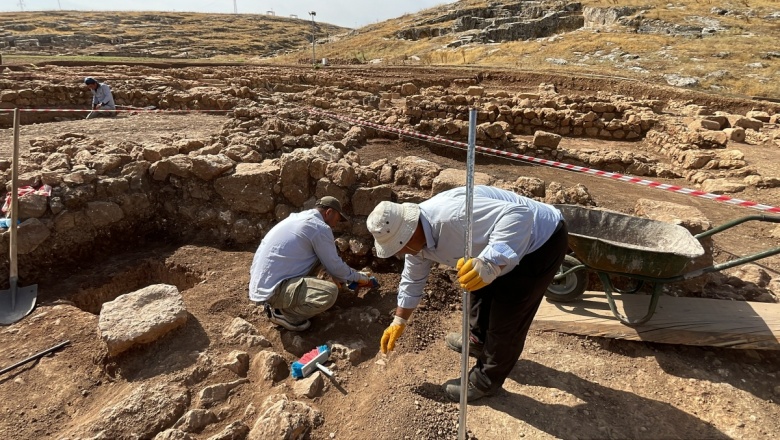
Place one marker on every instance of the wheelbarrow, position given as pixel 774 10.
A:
pixel 643 250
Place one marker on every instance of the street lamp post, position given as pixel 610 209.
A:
pixel 313 55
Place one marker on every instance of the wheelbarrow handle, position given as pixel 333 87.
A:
pixel 731 224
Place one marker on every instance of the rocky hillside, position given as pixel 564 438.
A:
pixel 725 48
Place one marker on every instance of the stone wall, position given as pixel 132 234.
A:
pixel 524 114
pixel 228 188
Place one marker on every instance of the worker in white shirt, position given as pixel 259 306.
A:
pixel 102 99
pixel 519 245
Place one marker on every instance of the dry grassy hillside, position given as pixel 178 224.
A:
pixel 155 34
pixel 727 47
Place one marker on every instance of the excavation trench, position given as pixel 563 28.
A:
pixel 90 291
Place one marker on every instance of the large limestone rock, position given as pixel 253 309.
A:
pixel 341 174
pixel 141 317
pixel 295 185
pixel 310 387
pixel 285 419
pixel 242 332
pixel 237 362
pixel 742 121
pixel 179 165
pixel 268 366
pixel 453 178
pixel 173 434
pixel 214 394
pixel 365 199
pixel 250 187
pixel 546 140
pixel 686 216
pixel 102 214
pixel 721 186
pixel 31 234
pixel 416 171
pixel 105 163
pixel 409 89
pixel 154 153
pixel 142 413
pixel 233 431
pixel 210 166
pixel 195 420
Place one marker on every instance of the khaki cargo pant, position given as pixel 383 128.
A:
pixel 303 297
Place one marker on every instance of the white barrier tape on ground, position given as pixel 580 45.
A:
pixel 565 166
pixel 72 110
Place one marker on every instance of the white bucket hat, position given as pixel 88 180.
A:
pixel 392 226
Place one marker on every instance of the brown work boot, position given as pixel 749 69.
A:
pixel 454 342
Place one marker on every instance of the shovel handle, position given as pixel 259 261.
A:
pixel 35 356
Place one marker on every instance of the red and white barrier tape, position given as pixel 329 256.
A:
pixel 565 166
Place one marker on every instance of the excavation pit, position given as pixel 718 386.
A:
pixel 88 291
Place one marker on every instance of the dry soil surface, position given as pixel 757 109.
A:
pixel 563 386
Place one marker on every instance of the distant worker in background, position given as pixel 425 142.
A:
pixel 102 100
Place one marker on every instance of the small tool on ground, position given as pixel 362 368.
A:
pixel 372 282
pixel 312 361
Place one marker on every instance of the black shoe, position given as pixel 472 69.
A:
pixel 452 390
pixel 277 317
pixel 454 342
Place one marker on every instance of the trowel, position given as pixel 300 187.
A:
pixel 16 302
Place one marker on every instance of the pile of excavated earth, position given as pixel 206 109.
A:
pixel 141 228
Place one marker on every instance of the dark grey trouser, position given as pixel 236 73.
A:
pixel 502 312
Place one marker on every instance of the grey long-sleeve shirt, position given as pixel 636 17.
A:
pixel 505 228
pixel 291 249
pixel 102 95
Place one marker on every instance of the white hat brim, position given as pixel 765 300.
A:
pixel 411 215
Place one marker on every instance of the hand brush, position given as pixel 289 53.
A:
pixel 311 361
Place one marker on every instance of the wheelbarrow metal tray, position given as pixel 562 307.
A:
pixel 614 242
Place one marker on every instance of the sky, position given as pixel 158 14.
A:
pixel 346 13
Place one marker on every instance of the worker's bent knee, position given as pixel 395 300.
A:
pixel 320 294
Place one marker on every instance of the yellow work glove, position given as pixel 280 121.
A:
pixel 392 333
pixel 475 273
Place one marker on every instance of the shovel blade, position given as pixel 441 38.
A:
pixel 13 309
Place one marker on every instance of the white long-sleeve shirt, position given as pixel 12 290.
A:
pixel 102 95
pixel 505 228
pixel 291 249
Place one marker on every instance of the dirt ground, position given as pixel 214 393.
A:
pixel 563 387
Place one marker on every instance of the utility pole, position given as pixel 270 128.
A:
pixel 313 41
pixel 21 5
pixel 235 7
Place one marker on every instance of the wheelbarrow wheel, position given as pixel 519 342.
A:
pixel 572 286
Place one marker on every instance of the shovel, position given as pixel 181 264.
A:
pixel 16 302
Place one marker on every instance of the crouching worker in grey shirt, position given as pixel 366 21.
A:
pixel 283 274
pixel 102 100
